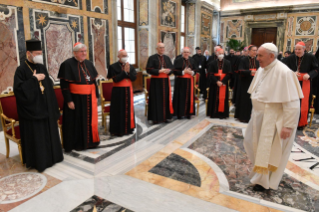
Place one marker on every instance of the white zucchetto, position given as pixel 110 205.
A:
pixel 270 46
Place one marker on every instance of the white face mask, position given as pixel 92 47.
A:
pixel 124 59
pixel 38 59
pixel 221 56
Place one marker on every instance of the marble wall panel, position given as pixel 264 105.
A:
pixel 205 44
pixel 190 42
pixel 169 39
pixel 99 45
pixel 58 32
pixel 12 45
pixel 305 26
pixel 234 29
pixel 99 6
pixel 221 39
pixel 77 4
pixel 191 19
pixel 206 24
pixel 168 13
pixel 215 25
pixel 143 38
pixel 290 25
pixel 143 12
pixel 308 41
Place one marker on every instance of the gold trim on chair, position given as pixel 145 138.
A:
pixel 146 93
pixel 312 109
pixel 197 91
pixel 103 103
pixel 61 113
pixel 10 125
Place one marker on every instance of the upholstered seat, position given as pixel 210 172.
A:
pixel 106 94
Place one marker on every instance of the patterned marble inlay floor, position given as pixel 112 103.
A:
pixel 224 146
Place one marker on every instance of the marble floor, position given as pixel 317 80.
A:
pixel 185 165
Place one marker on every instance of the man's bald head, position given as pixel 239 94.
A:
pixel 160 48
pixel 186 52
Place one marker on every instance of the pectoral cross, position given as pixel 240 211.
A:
pixel 87 78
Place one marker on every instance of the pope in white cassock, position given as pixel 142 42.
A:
pixel 275 94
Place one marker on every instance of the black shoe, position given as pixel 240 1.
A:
pixel 258 188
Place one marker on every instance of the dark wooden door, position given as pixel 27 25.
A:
pixel 264 35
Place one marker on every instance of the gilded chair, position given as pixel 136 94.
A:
pixel 147 85
pixel 312 109
pixel 206 100
pixel 60 99
pixel 106 94
pixel 10 122
pixel 197 90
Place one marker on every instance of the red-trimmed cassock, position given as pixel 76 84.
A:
pixel 160 105
pixel 307 64
pixel 122 118
pixel 243 101
pixel 184 93
pixel 80 126
pixel 218 106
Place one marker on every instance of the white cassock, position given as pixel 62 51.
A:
pixel 275 94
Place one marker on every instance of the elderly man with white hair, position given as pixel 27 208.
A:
pixel 275 94
pixel 305 66
pixel 80 117
pixel 122 118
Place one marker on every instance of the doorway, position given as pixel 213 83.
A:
pixel 264 35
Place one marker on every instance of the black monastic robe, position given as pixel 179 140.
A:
pixel 38 115
pixel 308 64
pixel 201 66
pixel 120 113
pixel 243 103
pixel 182 88
pixel 213 99
pixel 159 99
pixel 76 126
pixel 210 60
pixel 235 79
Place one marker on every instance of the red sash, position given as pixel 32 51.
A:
pixel 127 83
pixel 222 92
pixel 253 69
pixel 188 76
pixel 89 90
pixel 165 76
pixel 305 101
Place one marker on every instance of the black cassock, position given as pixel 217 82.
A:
pixel 308 64
pixel 38 116
pixel 210 60
pixel 77 124
pixel 213 99
pixel 233 61
pixel 182 88
pixel 243 101
pixel 159 99
pixel 120 113
pixel 201 62
pixel 235 79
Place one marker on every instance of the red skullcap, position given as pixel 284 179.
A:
pixel 219 50
pixel 76 44
pixel 301 43
pixel 122 50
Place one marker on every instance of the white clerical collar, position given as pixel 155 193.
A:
pixel 271 65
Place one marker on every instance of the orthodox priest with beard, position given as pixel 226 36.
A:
pixel 80 91
pixel 201 65
pixel 219 73
pixel 305 66
pixel 38 111
pixel 248 66
pixel 122 118
pixel 160 105
pixel 184 93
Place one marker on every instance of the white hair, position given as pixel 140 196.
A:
pixel 119 52
pixel 304 47
pixel 216 47
pixel 78 47
pixel 272 52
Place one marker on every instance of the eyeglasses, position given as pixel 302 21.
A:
pixel 82 51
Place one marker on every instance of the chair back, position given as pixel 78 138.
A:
pixel 196 79
pixel 106 89
pixel 147 83
pixel 8 106
pixel 59 96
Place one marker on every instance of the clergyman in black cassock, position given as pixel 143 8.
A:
pixel 306 67
pixel 184 93
pixel 219 73
pixel 38 111
pixel 247 67
pixel 201 65
pixel 122 118
pixel 160 105
pixel 80 91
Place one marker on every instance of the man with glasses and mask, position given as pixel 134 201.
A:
pixel 38 111
pixel 122 118
pixel 80 117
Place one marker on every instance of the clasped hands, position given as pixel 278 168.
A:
pixel 38 76
pixel 188 71
pixel 165 71
pixel 127 68
pixel 219 83
pixel 305 77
